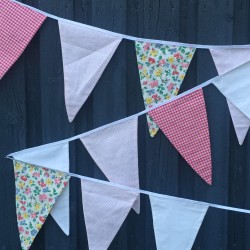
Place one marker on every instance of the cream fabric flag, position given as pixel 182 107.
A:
pixel 235 86
pixel 55 156
pixel 86 53
pixel 37 190
pixel 227 59
pixel 176 222
pixel 115 151
pixel 105 208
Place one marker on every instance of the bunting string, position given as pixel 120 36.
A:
pixel 141 191
pixel 132 38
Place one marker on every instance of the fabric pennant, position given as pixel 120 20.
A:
pixel 176 222
pixel 86 53
pixel 105 208
pixel 37 190
pixel 184 122
pixel 226 59
pixel 162 69
pixel 235 86
pixel 54 156
pixel 240 121
pixel 115 151
pixel 18 25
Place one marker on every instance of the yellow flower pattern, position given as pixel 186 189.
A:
pixel 162 69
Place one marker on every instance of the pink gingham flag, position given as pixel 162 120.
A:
pixel 18 25
pixel 184 122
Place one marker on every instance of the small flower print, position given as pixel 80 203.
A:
pixel 35 196
pixel 162 69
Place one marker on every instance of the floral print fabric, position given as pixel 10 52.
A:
pixel 162 69
pixel 37 189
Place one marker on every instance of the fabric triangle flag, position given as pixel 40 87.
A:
pixel 176 222
pixel 86 53
pixel 240 121
pixel 184 122
pixel 115 151
pixel 37 190
pixel 55 156
pixel 105 208
pixel 18 25
pixel 226 59
pixel 162 69
pixel 235 86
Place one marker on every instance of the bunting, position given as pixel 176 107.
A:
pixel 54 156
pixel 37 190
pixel 115 151
pixel 162 69
pixel 225 60
pixel 105 208
pixel 184 122
pixel 85 54
pixel 18 25
pixel 176 222
pixel 235 86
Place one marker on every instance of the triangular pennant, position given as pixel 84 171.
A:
pixel 226 59
pixel 115 151
pixel 162 69
pixel 54 156
pixel 105 208
pixel 18 25
pixel 176 222
pixel 86 53
pixel 184 122
pixel 37 190
pixel 240 121
pixel 235 86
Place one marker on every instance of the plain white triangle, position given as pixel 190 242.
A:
pixel 115 151
pixel 86 53
pixel 54 156
pixel 226 59
pixel 240 121
pixel 176 222
pixel 105 208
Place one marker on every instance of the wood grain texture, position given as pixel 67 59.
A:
pixel 33 112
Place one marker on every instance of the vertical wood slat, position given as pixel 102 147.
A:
pixel 32 115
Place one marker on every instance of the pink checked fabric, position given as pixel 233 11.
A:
pixel 184 122
pixel 18 25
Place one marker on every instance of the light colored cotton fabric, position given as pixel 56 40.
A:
pixel 240 121
pixel 55 157
pixel 115 151
pixel 235 86
pixel 86 53
pixel 176 222
pixel 105 208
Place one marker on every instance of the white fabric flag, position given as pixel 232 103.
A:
pixel 86 53
pixel 55 156
pixel 240 121
pixel 176 222
pixel 105 208
pixel 115 151
pixel 227 59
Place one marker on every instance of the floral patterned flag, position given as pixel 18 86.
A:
pixel 37 190
pixel 184 122
pixel 162 69
pixel 56 155
pixel 86 53
pixel 18 25
pixel 225 60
